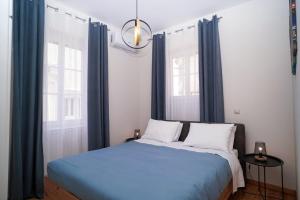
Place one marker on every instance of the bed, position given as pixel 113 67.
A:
pixel 145 170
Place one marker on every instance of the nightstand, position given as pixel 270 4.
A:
pixel 271 161
pixel 130 139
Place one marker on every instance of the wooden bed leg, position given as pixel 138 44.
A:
pixel 227 192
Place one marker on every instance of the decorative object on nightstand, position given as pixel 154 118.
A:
pixel 271 161
pixel 137 133
pixel 130 139
pixel 260 151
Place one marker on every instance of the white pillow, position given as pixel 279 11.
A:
pixel 178 132
pixel 231 142
pixel 210 136
pixel 162 131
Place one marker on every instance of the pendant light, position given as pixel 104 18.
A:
pixel 136 33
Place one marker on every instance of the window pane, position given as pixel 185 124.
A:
pixel 178 66
pixel 194 84
pixel 52 54
pixel 51 108
pixel 178 85
pixel 72 81
pixel 194 75
pixel 185 75
pixel 68 57
pixel 52 84
pixel 72 107
pixel 78 60
pixel 179 76
pixel 194 67
pixel 197 63
pixel 73 58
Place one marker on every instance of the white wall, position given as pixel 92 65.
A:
pixel 129 91
pixel 145 71
pixel 257 80
pixel 123 95
pixel 5 95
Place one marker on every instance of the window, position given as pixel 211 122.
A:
pixel 182 75
pixel 52 82
pixel 185 75
pixel 64 83
pixel 72 84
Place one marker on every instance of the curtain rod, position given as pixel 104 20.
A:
pixel 56 9
pixel 189 27
pixel 67 13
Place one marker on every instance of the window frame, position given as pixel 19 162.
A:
pixel 61 93
pixel 187 72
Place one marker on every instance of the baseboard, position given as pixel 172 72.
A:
pixel 274 188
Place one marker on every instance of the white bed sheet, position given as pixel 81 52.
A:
pixel 232 158
pixel 236 152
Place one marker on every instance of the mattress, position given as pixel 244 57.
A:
pixel 135 171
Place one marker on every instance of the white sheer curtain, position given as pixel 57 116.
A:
pixel 182 75
pixel 65 85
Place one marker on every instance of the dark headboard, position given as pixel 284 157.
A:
pixel 239 139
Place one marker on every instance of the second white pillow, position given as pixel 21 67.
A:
pixel 210 136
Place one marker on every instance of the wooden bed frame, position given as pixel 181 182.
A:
pixel 53 191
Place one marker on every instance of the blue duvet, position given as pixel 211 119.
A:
pixel 136 171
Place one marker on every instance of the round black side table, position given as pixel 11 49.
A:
pixel 130 139
pixel 271 161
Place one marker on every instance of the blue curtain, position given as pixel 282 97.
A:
pixel 98 107
pixel 293 35
pixel 26 150
pixel 158 95
pixel 210 72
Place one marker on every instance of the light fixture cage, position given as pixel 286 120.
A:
pixel 128 34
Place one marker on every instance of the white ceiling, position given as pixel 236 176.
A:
pixel 159 14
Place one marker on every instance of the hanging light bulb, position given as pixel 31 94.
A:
pixel 137 32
